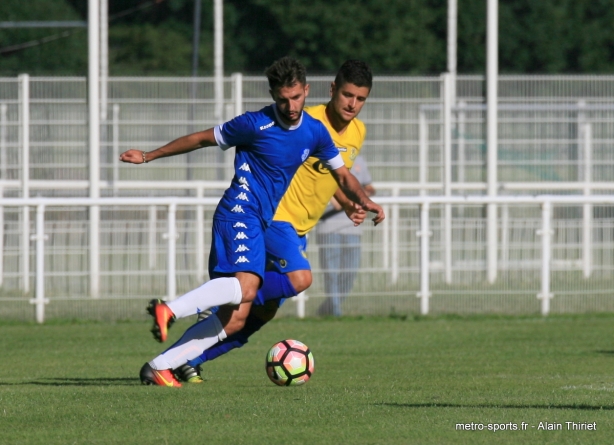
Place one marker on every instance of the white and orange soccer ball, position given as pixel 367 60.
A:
pixel 289 363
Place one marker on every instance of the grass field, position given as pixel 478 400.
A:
pixel 388 380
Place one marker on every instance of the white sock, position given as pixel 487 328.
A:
pixel 195 340
pixel 216 292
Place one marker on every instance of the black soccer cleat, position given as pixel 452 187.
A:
pixel 189 374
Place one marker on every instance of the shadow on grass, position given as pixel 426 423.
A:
pixel 102 381
pixel 580 407
pixel 603 351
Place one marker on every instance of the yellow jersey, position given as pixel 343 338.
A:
pixel 313 186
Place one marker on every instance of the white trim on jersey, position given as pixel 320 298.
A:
pixel 334 163
pixel 217 132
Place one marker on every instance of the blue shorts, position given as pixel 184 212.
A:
pixel 237 247
pixel 285 249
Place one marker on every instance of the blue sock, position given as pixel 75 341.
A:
pixel 252 324
pixel 276 285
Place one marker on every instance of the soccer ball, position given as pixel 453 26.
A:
pixel 289 363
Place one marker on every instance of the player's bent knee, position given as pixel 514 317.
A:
pixel 301 280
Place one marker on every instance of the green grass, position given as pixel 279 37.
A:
pixel 394 380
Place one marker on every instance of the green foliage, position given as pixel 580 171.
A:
pixel 61 56
pixel 394 36
pixel 377 381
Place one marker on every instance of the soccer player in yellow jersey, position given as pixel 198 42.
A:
pixel 310 191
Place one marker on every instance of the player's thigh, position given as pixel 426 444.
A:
pixel 285 249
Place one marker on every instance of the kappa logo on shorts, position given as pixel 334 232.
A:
pixel 237 209
pixel 242 248
pixel 242 196
pixel 242 259
pixel 241 235
pixel 245 167
pixel 240 224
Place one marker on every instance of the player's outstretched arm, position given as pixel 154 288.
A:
pixel 350 186
pixel 184 144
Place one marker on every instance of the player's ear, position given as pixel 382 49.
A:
pixel 306 89
pixel 333 88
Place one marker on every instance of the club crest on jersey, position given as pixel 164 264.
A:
pixel 241 235
pixel 305 154
pixel 353 153
pixel 242 259
pixel 283 263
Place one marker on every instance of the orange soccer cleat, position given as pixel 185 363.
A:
pixel 163 319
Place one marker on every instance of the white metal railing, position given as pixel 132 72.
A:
pixel 391 225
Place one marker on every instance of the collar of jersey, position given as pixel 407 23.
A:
pixel 282 124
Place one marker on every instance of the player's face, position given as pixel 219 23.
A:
pixel 290 101
pixel 347 100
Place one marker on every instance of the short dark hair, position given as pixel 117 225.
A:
pixel 286 72
pixel 356 72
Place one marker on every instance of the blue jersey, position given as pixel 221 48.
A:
pixel 268 153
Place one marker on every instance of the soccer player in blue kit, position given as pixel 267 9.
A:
pixel 310 191
pixel 271 145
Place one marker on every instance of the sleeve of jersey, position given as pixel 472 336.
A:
pixel 328 153
pixel 238 131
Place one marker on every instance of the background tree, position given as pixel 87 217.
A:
pixel 154 37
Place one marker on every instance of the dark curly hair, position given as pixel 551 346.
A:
pixel 286 72
pixel 355 72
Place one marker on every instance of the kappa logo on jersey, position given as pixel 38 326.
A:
pixel 244 187
pixel 245 167
pixel 242 259
pixel 269 125
pixel 242 196
pixel 240 224
pixel 242 248
pixel 237 209
pixel 241 235
pixel 305 154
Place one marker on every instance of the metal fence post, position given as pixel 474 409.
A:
pixel 423 138
pixel 24 89
pixel 40 301
pixel 171 280
pixel 3 170
pixel 424 234
pixel 448 91
pixel 587 215
pixel 395 238
pixel 546 233
pixel 115 148
pixel 200 238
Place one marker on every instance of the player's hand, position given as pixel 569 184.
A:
pixel 132 156
pixel 356 213
pixel 375 208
